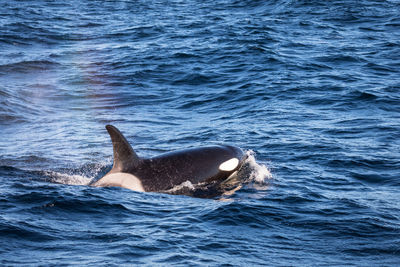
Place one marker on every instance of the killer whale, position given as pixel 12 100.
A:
pixel 208 164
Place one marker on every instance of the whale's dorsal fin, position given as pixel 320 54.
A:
pixel 124 156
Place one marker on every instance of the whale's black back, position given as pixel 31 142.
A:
pixel 165 171
pixel 196 165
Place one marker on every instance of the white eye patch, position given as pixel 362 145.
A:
pixel 229 165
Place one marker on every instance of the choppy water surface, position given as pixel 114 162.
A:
pixel 311 87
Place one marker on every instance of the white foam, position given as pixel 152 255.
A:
pixel 181 186
pixel 258 172
pixel 82 176
pixel 64 178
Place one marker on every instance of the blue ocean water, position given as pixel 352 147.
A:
pixel 310 88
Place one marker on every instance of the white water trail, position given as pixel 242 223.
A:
pixel 69 179
pixel 82 176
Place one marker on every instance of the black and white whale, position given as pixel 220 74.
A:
pixel 209 164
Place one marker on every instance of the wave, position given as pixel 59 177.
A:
pixel 25 231
pixel 28 66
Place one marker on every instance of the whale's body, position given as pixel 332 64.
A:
pixel 210 164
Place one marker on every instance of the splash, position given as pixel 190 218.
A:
pixel 258 173
pixel 183 186
pixel 69 179
pixel 82 176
